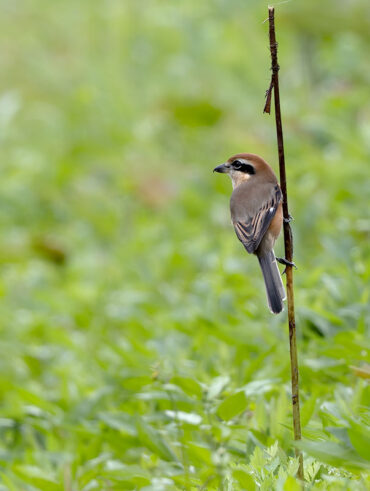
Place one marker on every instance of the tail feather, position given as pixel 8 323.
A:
pixel 273 282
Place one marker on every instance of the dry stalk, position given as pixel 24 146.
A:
pixel 288 238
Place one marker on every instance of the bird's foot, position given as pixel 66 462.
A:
pixel 281 260
pixel 289 219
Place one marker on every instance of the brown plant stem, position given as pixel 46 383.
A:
pixel 288 239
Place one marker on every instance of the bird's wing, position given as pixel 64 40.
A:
pixel 250 231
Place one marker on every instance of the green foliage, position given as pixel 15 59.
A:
pixel 137 351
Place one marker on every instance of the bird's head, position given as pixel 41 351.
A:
pixel 244 166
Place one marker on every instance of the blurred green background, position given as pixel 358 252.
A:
pixel 137 351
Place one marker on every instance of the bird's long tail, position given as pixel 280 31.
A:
pixel 273 282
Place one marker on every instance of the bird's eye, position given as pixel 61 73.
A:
pixel 237 164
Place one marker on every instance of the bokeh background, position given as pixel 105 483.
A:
pixel 137 351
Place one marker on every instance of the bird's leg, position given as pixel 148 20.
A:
pixel 289 219
pixel 281 260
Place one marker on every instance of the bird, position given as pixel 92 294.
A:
pixel 257 216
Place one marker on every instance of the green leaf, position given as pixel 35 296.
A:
pixel 291 484
pixel 359 436
pixel 334 454
pixel 152 439
pixel 183 417
pixel 232 406
pixel 198 453
pixel 133 475
pixel 260 438
pixel 217 386
pixel 244 479
pixel 308 408
pixel 36 476
pixel 120 422
pixel 190 386
pixel 258 387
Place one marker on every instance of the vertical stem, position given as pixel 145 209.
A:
pixel 288 239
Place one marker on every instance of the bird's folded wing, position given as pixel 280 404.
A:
pixel 251 230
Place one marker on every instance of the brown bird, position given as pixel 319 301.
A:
pixel 257 216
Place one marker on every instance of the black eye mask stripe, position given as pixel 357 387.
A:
pixel 241 167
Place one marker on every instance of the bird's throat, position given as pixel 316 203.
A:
pixel 238 178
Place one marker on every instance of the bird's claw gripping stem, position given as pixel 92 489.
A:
pixel 281 260
pixel 289 219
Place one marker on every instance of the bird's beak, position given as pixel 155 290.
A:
pixel 223 168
